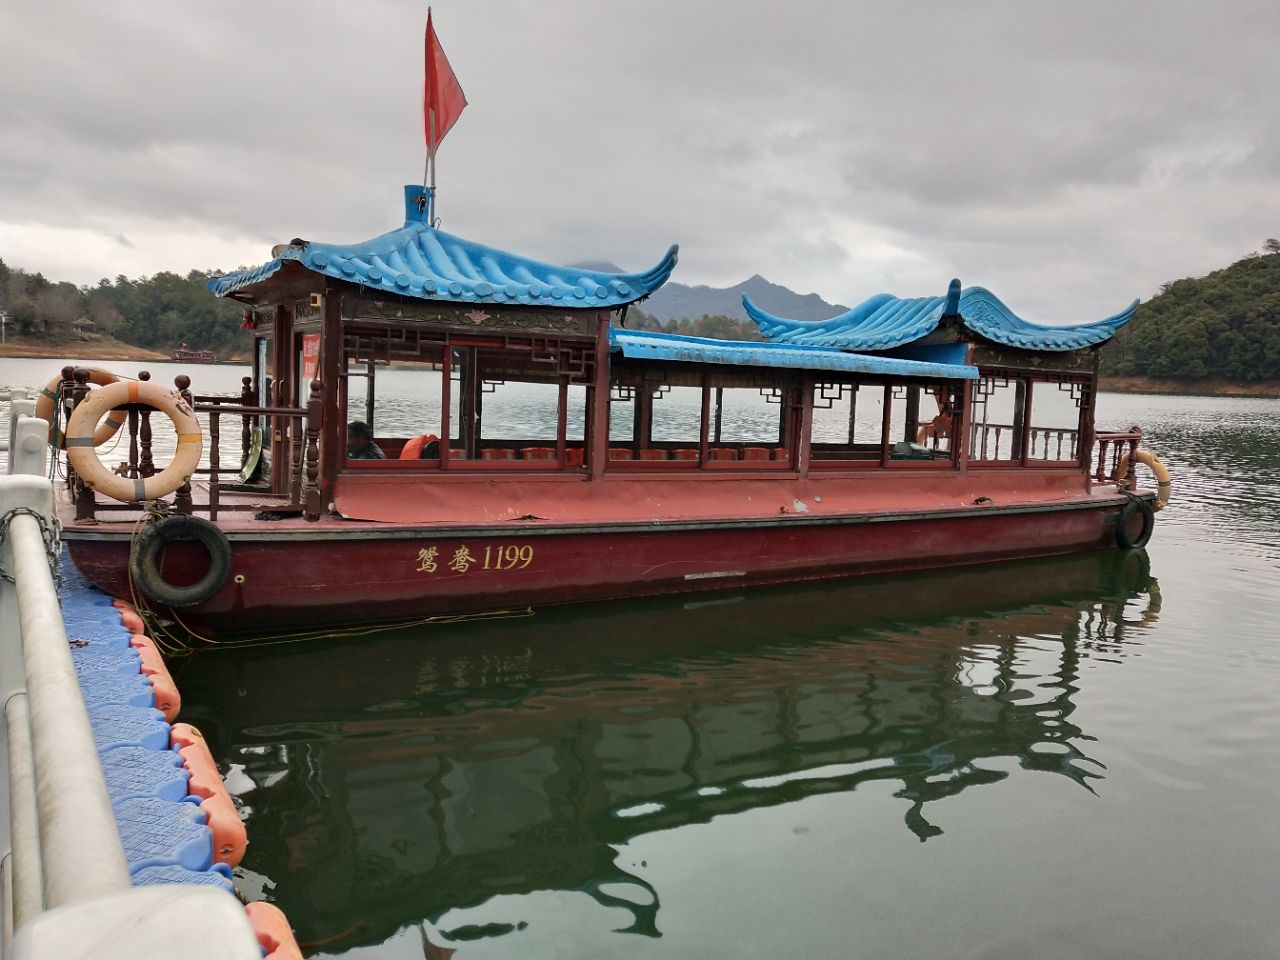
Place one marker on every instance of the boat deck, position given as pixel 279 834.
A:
pixel 381 504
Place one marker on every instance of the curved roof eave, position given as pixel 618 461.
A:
pixel 884 322
pixel 428 264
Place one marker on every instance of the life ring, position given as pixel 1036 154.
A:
pixel 419 448
pixel 47 408
pixel 1164 483
pixel 1136 507
pixel 83 424
pixel 144 560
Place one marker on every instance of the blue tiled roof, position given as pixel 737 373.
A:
pixel 884 322
pixel 644 344
pixel 420 261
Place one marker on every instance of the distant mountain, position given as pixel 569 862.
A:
pixel 679 301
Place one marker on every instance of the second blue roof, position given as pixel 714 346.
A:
pixel 883 322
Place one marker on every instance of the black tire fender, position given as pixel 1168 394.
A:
pixel 1135 508
pixel 144 560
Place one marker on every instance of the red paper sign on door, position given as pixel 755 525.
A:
pixel 310 357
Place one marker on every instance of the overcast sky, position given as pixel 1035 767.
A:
pixel 1070 156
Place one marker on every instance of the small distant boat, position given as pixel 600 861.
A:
pixel 183 355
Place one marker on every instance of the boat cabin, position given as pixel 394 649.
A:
pixel 527 369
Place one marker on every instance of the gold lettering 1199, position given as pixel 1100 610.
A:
pixel 509 557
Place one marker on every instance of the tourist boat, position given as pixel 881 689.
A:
pixel 553 454
pixel 183 355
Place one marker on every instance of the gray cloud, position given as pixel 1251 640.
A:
pixel 1069 157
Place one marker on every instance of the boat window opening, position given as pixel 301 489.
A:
pixel 1057 409
pixel 997 415
pixel 525 420
pixel 848 422
pixel 874 424
pixel 675 424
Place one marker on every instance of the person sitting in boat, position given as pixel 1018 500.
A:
pixel 360 445
pixel 939 428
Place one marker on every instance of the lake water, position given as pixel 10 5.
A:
pixel 1065 758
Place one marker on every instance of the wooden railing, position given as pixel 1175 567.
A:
pixel 1112 447
pixel 1050 444
pixel 298 426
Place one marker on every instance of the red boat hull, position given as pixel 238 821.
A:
pixel 308 578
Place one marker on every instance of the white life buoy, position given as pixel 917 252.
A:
pixel 84 422
pixel 47 408
pixel 1164 482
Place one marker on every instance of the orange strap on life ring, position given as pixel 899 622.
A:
pixel 47 408
pixel 84 422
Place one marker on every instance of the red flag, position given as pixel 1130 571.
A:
pixel 442 98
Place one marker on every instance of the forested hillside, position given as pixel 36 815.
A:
pixel 1225 326
pixel 159 312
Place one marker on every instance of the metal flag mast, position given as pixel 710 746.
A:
pixel 429 168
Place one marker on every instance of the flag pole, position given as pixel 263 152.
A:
pixel 431 165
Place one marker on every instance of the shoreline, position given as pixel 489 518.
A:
pixel 79 350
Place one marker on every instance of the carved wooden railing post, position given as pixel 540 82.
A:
pixel 315 415
pixel 247 399
pixel 84 495
pixel 63 413
pixel 134 474
pixel 215 461
pixel 146 466
pixel 182 499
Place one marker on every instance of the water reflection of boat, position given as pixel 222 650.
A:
pixel 418 779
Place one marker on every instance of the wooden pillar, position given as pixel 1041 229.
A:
pixel 912 419
pixel 282 373
pixel 182 501
pixel 333 430
pixel 804 438
pixel 599 412
pixel 1019 419
pixel 85 504
pixel 446 409
pixel 886 424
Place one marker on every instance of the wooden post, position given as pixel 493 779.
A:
pixel 146 466
pixel 1020 395
pixel 446 410
pixel 246 427
pixel 282 371
pixel 599 413
pixel 704 423
pixel 133 445
pixel 804 439
pixel 911 422
pixel 315 421
pixel 562 419
pixel 886 424
pixel 182 499
pixel 83 493
pixel 215 461
pixel 333 431
pixel 63 412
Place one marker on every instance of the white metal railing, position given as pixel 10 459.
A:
pixel 66 883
